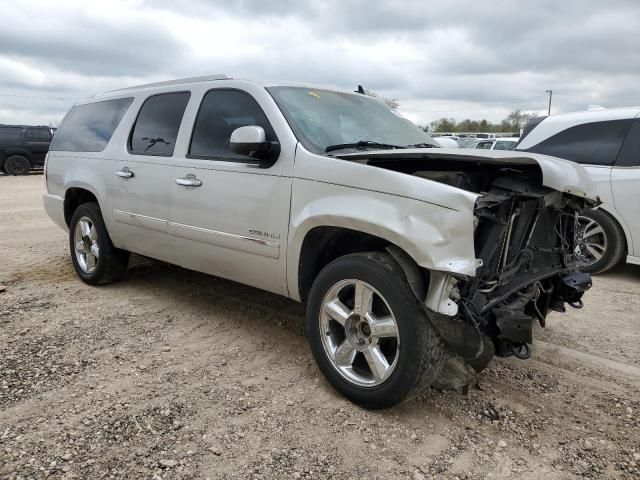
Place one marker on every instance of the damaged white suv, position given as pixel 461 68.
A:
pixel 408 256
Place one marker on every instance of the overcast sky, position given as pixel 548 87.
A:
pixel 461 59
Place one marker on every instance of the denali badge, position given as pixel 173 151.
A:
pixel 264 234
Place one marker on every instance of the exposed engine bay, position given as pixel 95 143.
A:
pixel 524 235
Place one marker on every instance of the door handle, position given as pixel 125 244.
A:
pixel 189 181
pixel 124 173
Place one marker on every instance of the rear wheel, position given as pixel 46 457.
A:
pixel 369 334
pixel 601 243
pixel 94 257
pixel 17 165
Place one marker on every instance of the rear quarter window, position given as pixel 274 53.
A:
pixel 38 135
pixel 629 155
pixel 10 133
pixel 89 127
pixel 596 143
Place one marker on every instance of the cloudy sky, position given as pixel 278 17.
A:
pixel 461 59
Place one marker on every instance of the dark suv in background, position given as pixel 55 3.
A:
pixel 23 147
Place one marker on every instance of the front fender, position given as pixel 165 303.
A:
pixel 436 237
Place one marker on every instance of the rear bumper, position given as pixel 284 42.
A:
pixel 54 207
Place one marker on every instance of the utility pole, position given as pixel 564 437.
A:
pixel 550 92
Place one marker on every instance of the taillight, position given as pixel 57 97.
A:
pixel 46 181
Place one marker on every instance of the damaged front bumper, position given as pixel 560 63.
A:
pixel 525 241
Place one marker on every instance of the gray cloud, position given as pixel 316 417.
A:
pixel 458 58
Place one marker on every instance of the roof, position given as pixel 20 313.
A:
pixel 178 81
pixel 216 77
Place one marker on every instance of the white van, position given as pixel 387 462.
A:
pixel 607 143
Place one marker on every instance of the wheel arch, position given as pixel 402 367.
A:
pixel 432 237
pixel 323 244
pixel 609 210
pixel 75 196
pixel 6 153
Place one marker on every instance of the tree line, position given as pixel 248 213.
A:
pixel 516 120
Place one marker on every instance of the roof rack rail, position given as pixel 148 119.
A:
pixel 204 78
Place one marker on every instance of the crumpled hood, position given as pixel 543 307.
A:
pixel 559 174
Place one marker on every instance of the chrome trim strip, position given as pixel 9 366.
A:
pixel 226 234
pixel 138 220
pixel 232 241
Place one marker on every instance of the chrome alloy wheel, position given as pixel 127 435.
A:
pixel 86 244
pixel 591 242
pixel 359 333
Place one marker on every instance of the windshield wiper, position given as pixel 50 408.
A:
pixel 360 144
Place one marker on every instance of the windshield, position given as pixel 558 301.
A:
pixel 325 118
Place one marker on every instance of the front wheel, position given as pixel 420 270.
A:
pixel 368 333
pixel 94 257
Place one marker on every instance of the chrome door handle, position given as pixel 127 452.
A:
pixel 189 181
pixel 124 173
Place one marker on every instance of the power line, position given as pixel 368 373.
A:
pixel 495 105
pixel 596 96
pixel 41 97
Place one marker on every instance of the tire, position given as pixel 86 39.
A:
pixel 605 238
pixel 17 165
pixel 415 354
pixel 96 260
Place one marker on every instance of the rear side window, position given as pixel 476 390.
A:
pixel 156 128
pixel 596 143
pixel 10 133
pixel 89 127
pixel 485 145
pixel 221 112
pixel 630 153
pixel 38 135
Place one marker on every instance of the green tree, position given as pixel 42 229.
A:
pixel 443 125
pixel 392 103
pixel 518 119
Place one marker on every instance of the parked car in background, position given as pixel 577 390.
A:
pixel 447 142
pixel 23 147
pixel 408 256
pixel 464 142
pixel 607 143
pixel 506 143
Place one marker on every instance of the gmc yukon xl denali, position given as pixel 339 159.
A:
pixel 408 257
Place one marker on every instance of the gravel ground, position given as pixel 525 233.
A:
pixel 171 374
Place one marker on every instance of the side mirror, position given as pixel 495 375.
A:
pixel 251 141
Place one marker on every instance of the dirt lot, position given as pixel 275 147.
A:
pixel 173 374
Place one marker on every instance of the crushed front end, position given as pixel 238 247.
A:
pixel 525 238
pixel 524 245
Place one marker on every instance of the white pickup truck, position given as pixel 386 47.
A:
pixel 407 255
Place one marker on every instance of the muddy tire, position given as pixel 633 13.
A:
pixel 369 334
pixel 17 165
pixel 95 259
pixel 603 242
